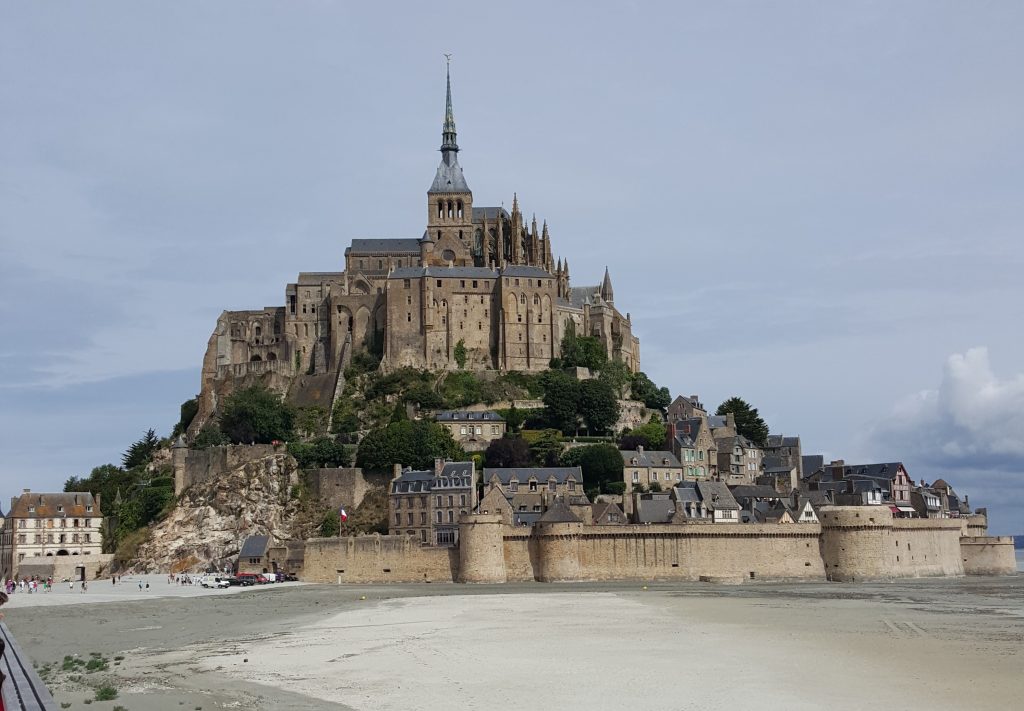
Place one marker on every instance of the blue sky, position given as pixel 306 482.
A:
pixel 815 206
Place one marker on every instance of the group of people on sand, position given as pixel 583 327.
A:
pixel 29 585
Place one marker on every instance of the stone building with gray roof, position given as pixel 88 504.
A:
pixel 483 277
pixel 426 504
pixel 473 430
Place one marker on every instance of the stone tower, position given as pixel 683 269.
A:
pixel 558 544
pixel 449 236
pixel 481 549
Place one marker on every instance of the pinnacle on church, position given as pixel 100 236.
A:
pixel 606 287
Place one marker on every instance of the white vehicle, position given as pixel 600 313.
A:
pixel 214 581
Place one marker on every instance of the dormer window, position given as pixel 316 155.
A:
pixel 89 508
pixel 60 509
pixel 513 485
pixel 533 484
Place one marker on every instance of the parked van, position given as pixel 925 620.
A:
pixel 214 581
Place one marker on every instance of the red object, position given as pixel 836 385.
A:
pixel 341 514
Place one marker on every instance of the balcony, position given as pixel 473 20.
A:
pixel 23 690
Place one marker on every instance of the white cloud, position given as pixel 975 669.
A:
pixel 973 420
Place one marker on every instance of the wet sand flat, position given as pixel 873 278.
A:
pixel 924 644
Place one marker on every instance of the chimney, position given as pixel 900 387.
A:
pixel 670 434
pixel 639 449
pixel 396 471
pixel 838 469
pixel 438 466
pixel 96 498
pixel 730 420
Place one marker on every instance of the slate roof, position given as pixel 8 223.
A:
pixel 72 504
pixel 747 491
pixel 716 496
pixel 882 471
pixel 580 295
pixel 449 179
pixel 491 213
pixel 542 474
pixel 558 512
pixel 443 273
pixel 688 430
pixel 810 463
pixel 398 245
pixel 466 415
pixel 523 271
pixel 716 421
pixel 685 494
pixel 655 509
pixel 653 458
pixel 254 547
pixel 782 441
pixel 412 481
pixel 603 509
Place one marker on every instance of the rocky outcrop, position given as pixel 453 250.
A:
pixel 212 518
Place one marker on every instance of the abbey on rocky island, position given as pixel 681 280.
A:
pixel 479 277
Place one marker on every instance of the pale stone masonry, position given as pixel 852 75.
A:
pixel 427 504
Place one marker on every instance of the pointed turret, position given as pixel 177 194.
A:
pixel 549 259
pixel 485 241
pixel 606 288
pixel 535 254
pixel 517 231
pixel 499 241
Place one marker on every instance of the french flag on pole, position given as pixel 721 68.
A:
pixel 342 514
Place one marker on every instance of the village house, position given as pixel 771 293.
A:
pixel 530 491
pixel 642 470
pixel 691 442
pixel 42 526
pixel 427 504
pixel 472 430
pixel 781 452
pixel 739 460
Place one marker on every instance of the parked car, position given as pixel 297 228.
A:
pixel 291 577
pixel 248 579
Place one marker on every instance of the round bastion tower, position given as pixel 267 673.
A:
pixel 558 544
pixel 481 549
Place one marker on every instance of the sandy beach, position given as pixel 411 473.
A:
pixel 931 644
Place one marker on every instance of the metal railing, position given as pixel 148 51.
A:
pixel 23 690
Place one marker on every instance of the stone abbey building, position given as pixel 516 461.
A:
pixel 481 276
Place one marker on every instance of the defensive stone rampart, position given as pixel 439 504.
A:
pixel 868 543
pixel 63 567
pixel 378 559
pixel 850 544
pixel 988 555
pixel 346 487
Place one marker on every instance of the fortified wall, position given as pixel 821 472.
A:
pixel 850 544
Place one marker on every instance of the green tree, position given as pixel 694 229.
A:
pixel 569 350
pixel 561 401
pixel 546 448
pixel 602 464
pixel 617 375
pixel 414 444
pixel 321 452
pixel 330 524
pixel 590 352
pixel 311 421
pixel 257 415
pixel 141 452
pixel 598 405
pixel 748 421
pixel 189 409
pixel 651 435
pixel 514 418
pixel 507 452
pixel 644 389
pixel 460 354
pixel 344 418
pixel 209 436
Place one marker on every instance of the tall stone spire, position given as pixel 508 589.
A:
pixel 448 142
pixel 449 178
pixel 549 260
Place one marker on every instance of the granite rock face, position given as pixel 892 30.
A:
pixel 213 518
